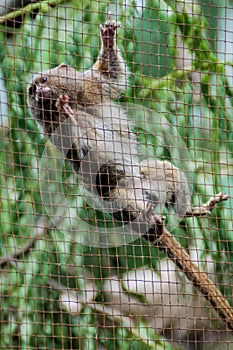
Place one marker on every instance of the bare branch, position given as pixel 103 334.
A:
pixel 28 9
pixel 167 243
pixel 205 209
pixel 41 228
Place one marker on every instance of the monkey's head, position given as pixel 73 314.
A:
pixel 45 89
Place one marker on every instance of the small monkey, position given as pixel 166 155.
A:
pixel 104 150
pixel 102 136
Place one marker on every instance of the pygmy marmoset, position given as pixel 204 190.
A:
pixel 101 134
pixel 104 150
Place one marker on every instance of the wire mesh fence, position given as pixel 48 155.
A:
pixel 116 174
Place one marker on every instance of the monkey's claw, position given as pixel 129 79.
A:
pixel 63 105
pixel 108 33
pixel 156 224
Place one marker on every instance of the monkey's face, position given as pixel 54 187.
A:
pixel 42 98
pixel 45 90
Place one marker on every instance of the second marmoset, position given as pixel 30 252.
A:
pixel 103 142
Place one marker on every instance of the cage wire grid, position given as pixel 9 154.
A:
pixel 116 177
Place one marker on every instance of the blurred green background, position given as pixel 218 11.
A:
pixel 181 69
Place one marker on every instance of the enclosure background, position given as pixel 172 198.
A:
pixel 59 294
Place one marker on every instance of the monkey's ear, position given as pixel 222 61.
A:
pixel 63 65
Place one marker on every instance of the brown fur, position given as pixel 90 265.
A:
pixel 102 134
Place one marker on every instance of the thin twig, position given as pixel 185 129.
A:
pixel 28 9
pixel 41 228
pixel 205 209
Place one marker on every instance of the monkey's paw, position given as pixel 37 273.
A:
pixel 156 224
pixel 108 33
pixel 63 105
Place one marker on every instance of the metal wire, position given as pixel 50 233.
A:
pixel 76 270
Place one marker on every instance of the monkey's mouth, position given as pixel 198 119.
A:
pixel 44 107
pixel 45 101
pixel 43 93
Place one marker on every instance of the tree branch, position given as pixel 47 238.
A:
pixel 28 9
pixel 41 228
pixel 205 209
pixel 167 243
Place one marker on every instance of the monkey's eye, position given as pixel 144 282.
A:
pixel 43 80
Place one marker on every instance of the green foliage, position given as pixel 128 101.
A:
pixel 31 315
